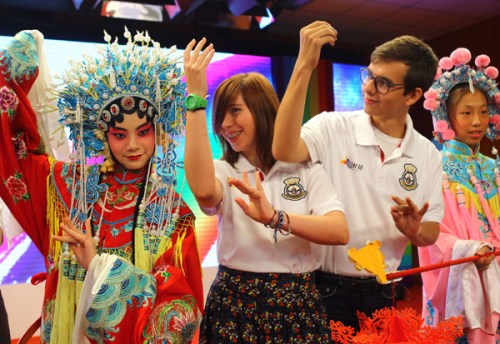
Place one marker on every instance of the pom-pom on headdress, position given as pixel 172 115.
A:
pixel 454 70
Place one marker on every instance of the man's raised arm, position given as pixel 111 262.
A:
pixel 287 143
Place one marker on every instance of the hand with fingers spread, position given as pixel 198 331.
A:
pixel 258 207
pixel 407 216
pixel 196 62
pixel 82 244
pixel 312 38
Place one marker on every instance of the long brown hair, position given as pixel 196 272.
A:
pixel 260 97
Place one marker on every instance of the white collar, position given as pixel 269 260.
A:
pixel 242 164
pixel 365 134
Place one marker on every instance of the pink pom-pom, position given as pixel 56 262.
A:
pixel 430 104
pixel 460 56
pixel 439 72
pixel 446 63
pixel 431 94
pixel 497 98
pixel 448 134
pixel 482 61
pixel 491 72
pixel 440 126
pixel 495 120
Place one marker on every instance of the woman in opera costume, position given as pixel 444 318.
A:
pixel 131 272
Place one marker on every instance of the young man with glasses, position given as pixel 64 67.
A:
pixel 387 175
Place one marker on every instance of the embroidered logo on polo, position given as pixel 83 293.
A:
pixel 351 164
pixel 293 190
pixel 409 178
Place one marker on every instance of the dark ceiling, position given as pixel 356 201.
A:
pixel 232 24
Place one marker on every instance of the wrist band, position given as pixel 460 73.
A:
pixel 272 220
pixel 280 222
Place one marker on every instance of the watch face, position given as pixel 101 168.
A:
pixel 194 102
pixel 190 102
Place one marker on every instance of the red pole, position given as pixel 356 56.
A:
pixel 399 274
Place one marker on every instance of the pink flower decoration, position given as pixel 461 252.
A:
pixel 8 99
pixel 20 148
pixel 430 104
pixel 491 72
pixel 16 187
pixel 448 134
pixel 482 61
pixel 446 63
pixel 460 56
pixel 440 126
pixel 431 94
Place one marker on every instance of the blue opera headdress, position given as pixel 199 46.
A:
pixel 99 87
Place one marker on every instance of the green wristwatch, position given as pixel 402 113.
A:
pixel 195 102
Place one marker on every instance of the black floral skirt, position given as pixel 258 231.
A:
pixel 248 307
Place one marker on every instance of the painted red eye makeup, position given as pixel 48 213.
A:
pixel 146 126
pixel 113 130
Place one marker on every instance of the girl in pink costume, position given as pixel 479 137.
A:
pixel 464 102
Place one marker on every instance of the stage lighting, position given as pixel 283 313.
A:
pixel 265 21
pixel 77 3
pixel 132 10
pixel 173 10
pixel 248 7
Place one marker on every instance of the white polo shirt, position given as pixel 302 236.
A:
pixel 247 245
pixel 345 143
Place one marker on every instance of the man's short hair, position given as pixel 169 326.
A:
pixel 421 60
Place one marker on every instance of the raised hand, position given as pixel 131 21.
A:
pixel 195 66
pixel 258 207
pixel 407 216
pixel 312 38
pixel 82 244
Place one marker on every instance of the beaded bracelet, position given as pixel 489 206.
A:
pixel 280 222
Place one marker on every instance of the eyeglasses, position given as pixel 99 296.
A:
pixel 382 85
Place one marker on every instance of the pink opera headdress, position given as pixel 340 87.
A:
pixel 455 70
